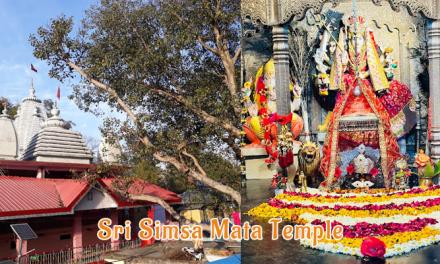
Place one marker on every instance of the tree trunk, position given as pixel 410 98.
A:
pixel 157 200
pixel 201 175
pixel 166 206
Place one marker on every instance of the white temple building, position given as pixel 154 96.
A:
pixel 8 138
pixel 34 136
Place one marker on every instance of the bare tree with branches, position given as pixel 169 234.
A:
pixel 301 52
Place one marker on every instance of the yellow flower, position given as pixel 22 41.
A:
pixel 352 245
pixel 391 240
pixel 357 199
pixel 266 211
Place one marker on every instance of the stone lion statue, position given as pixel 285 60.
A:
pixel 309 159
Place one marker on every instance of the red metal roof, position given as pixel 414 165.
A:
pixel 25 196
pixel 139 187
pixel 30 196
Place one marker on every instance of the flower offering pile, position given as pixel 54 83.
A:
pixel 402 220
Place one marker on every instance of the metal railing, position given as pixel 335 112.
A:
pixel 89 254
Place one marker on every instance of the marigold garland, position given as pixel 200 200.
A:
pixel 391 240
pixel 319 198
pixel 363 229
pixel 398 248
pixel 375 207
pixel 266 211
pixel 405 220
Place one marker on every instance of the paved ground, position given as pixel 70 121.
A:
pixel 164 253
pixel 282 251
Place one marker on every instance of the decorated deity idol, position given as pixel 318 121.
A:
pixel 402 174
pixel 366 102
pixel 362 164
pixel 260 126
pixel 421 160
pixel 363 185
pixel 358 54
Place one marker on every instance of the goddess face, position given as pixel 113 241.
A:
pixel 358 41
pixel 357 27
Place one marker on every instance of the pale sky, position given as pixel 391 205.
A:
pixel 18 19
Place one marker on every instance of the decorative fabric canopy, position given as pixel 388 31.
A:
pixel 387 143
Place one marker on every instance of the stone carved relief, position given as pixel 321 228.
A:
pixel 414 7
pixel 410 35
pixel 257 10
pixel 298 8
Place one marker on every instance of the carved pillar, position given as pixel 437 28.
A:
pixel 282 76
pixel 419 124
pixel 404 75
pixel 434 86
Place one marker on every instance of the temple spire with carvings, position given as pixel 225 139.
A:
pixel 30 115
pixel 31 96
pixel 57 143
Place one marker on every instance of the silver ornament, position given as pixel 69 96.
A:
pixel 357 91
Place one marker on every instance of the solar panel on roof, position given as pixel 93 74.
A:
pixel 24 231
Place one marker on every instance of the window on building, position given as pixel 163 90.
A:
pixel 65 237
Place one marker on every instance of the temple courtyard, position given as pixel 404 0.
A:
pixel 168 252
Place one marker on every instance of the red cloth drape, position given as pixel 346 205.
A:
pixel 346 104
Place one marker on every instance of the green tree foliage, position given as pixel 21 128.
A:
pixel 11 109
pixel 171 67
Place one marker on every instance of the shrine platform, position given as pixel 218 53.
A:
pixel 281 251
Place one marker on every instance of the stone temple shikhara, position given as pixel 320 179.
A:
pixel 341 109
pixel 32 135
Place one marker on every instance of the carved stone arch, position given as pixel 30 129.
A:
pixel 414 7
pixel 277 12
pixel 260 11
pixel 297 9
pixel 255 11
